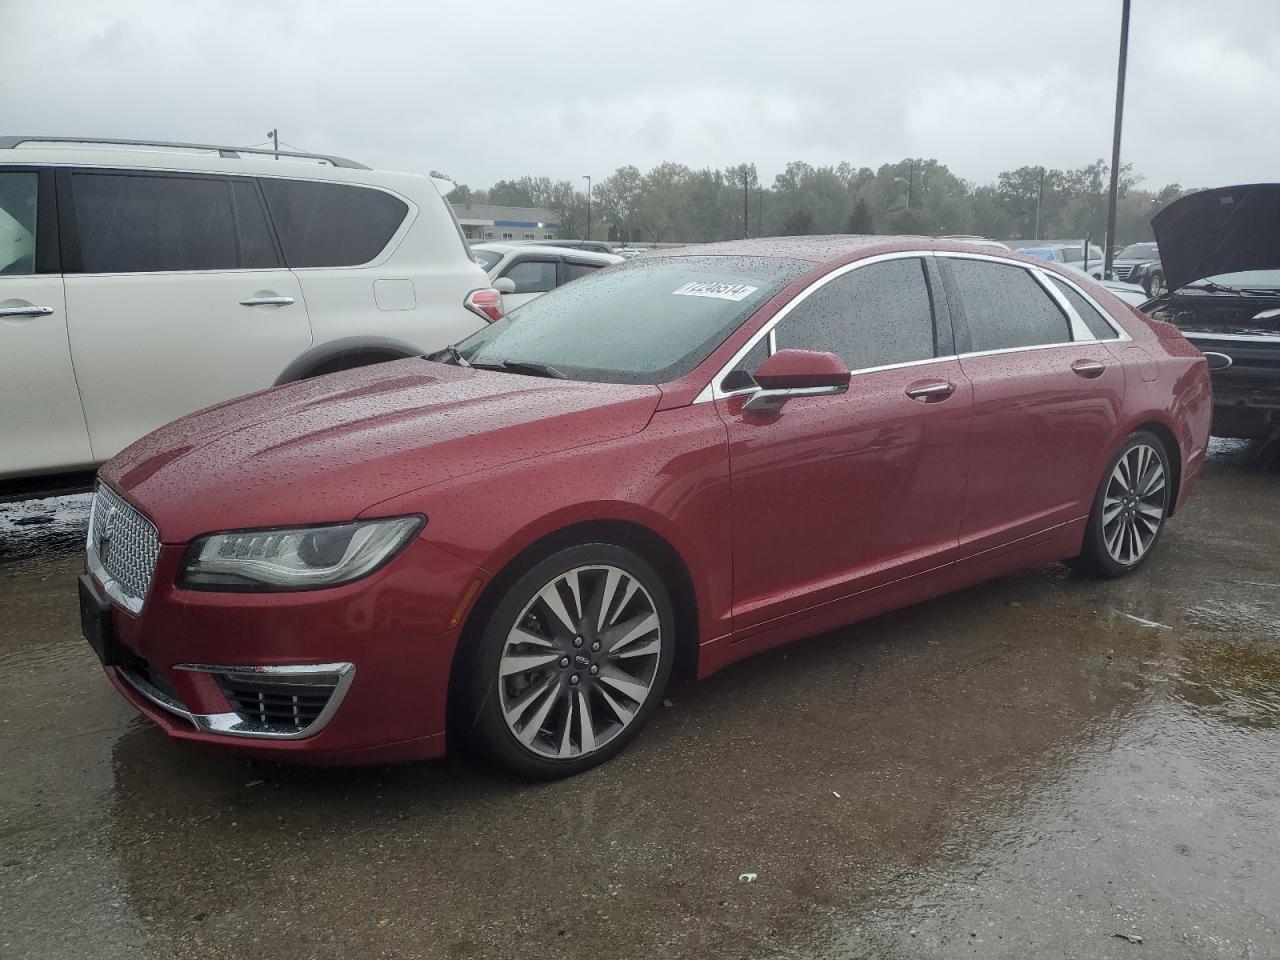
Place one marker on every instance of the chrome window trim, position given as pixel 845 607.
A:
pixel 1119 331
pixel 1080 331
pixel 712 390
pixel 230 724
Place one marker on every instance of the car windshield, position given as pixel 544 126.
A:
pixel 486 258
pixel 1139 251
pixel 649 321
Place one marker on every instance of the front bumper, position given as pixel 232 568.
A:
pixel 355 673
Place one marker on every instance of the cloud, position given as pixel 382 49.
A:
pixel 504 88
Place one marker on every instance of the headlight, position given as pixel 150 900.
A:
pixel 296 558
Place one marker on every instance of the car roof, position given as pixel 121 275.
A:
pixel 822 249
pixel 195 158
pixel 506 248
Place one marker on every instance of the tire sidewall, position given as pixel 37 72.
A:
pixel 490 727
pixel 1095 552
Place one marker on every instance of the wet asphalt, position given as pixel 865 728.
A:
pixel 1021 770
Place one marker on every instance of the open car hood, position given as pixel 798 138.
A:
pixel 1224 230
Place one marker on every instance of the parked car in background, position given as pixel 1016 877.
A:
pixel 628 253
pixel 1220 253
pixel 1130 257
pixel 1130 293
pixel 596 246
pixel 141 281
pixel 655 469
pixel 521 272
pixel 1149 276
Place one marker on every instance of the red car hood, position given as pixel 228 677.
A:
pixel 324 450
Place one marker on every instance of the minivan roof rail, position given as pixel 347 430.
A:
pixel 233 153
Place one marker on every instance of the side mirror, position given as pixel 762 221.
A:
pixel 797 373
pixel 1217 361
pixel 504 285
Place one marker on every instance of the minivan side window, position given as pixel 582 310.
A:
pixel 872 316
pixel 142 224
pixel 1091 317
pixel 331 224
pixel 1005 307
pixel 572 270
pixel 532 276
pixel 18 191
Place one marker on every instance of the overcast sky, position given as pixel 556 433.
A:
pixel 499 88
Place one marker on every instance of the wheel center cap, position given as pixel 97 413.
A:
pixel 581 661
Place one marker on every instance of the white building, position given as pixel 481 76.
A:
pixel 486 221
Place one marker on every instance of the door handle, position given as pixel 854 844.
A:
pixel 266 301
pixel 1088 369
pixel 25 311
pixel 932 391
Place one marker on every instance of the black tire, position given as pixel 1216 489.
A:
pixel 1155 283
pixel 1108 550
pixel 594 669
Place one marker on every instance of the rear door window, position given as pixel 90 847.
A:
pixel 572 270
pixel 1087 312
pixel 143 224
pixel 1005 307
pixel 331 224
pixel 873 316
pixel 257 249
pixel 532 276
pixel 18 192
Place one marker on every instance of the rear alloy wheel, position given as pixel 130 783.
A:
pixel 573 661
pixel 1129 509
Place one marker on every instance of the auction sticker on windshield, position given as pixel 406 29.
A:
pixel 715 289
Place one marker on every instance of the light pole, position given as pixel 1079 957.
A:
pixel 587 177
pixel 1115 141
pixel 1039 197
pixel 911 183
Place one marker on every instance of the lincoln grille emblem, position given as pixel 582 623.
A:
pixel 108 528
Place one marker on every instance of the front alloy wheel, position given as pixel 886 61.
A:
pixel 573 660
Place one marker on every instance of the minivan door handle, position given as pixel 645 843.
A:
pixel 931 391
pixel 1089 369
pixel 28 311
pixel 266 301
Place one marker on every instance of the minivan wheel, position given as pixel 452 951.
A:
pixel 1129 509
pixel 572 661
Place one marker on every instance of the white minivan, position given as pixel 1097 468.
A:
pixel 140 281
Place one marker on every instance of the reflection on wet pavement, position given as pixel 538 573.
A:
pixel 1019 770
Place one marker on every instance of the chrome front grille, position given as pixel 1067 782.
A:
pixel 122 548
pixel 1122 273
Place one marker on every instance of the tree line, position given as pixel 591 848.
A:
pixel 675 203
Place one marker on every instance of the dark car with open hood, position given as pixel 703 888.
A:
pixel 1220 254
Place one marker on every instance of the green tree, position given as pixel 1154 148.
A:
pixel 860 220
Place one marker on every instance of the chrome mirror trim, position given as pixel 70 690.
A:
pixel 771 401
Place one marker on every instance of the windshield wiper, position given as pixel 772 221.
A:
pixel 1208 286
pixel 534 368
pixel 449 354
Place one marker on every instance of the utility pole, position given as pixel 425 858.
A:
pixel 587 177
pixel 275 141
pixel 1115 141
pixel 911 181
pixel 746 203
pixel 760 211
pixel 1039 197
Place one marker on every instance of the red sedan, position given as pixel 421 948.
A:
pixel 663 467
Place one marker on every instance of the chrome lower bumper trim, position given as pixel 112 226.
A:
pixel 232 724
